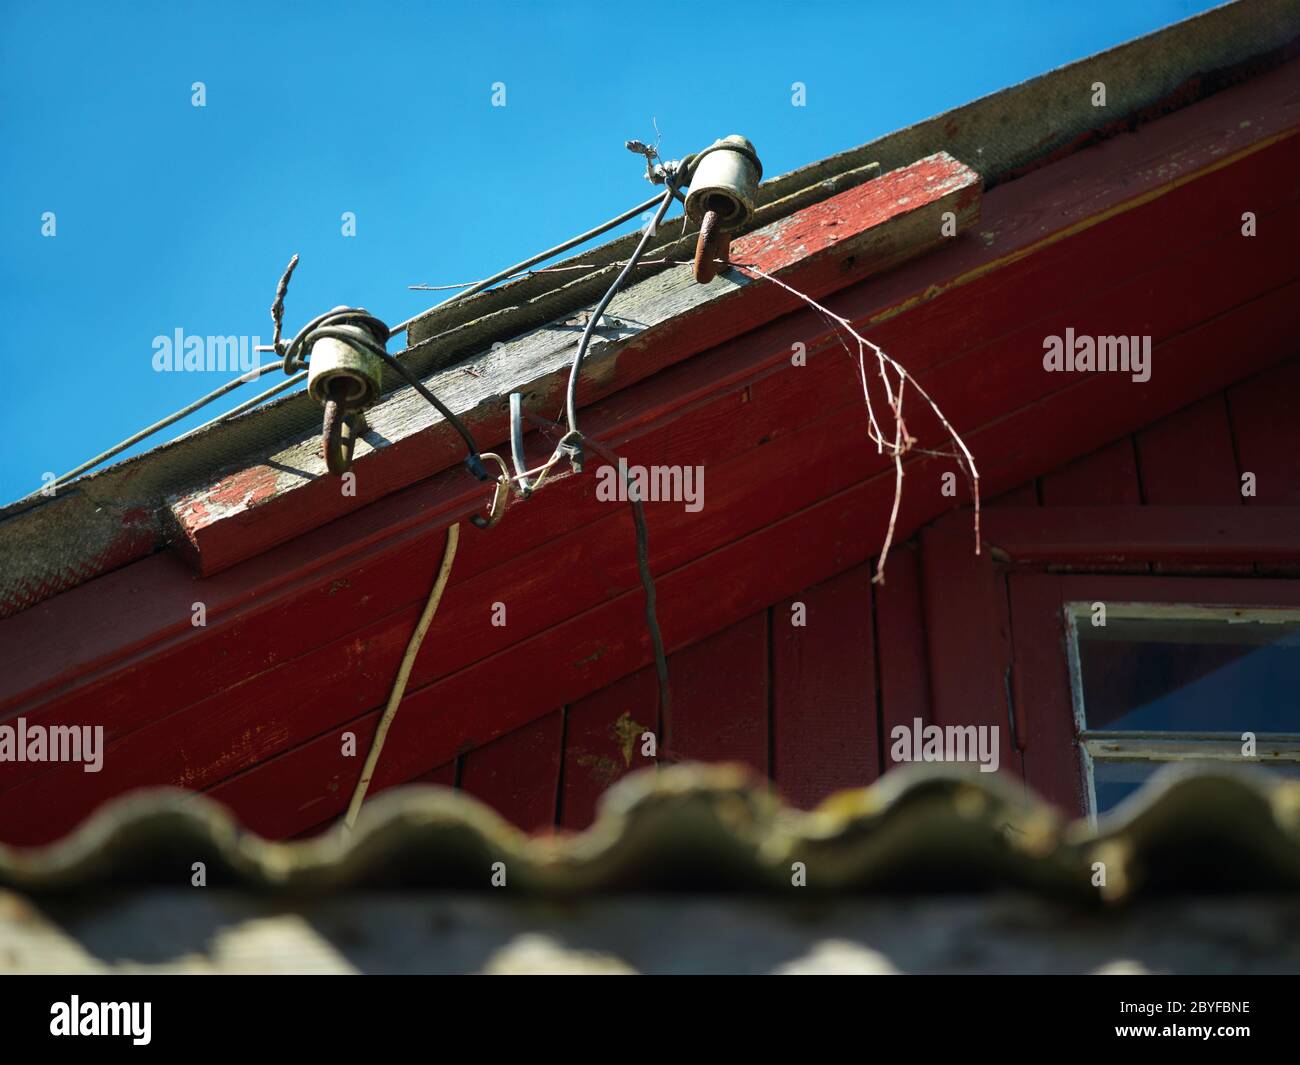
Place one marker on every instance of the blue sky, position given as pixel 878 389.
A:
pixel 170 216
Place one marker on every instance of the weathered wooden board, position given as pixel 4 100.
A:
pixel 1121 405
pixel 1188 458
pixel 1267 429
pixel 820 249
pixel 518 774
pixel 968 641
pixel 1120 534
pixel 719 710
pixel 1041 688
pixel 900 636
pixel 603 742
pixel 830 539
pixel 824 712
pixel 1107 477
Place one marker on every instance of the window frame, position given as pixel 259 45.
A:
pixel 1173 745
pixel 1061 753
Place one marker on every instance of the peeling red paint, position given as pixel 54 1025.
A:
pixel 814 228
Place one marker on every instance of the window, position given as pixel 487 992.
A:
pixel 1155 684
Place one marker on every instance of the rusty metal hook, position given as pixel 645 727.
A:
pixel 339 430
pixel 713 244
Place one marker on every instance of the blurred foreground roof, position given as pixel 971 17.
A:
pixel 720 828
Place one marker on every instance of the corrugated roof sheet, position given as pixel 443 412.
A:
pixel 695 827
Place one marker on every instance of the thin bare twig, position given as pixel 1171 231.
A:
pixel 903 441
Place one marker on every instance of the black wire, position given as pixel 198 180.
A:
pixel 673 177
pixel 571 398
pixel 651 619
pixel 643 567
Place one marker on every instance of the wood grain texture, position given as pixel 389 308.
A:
pixel 1267 431
pixel 824 690
pixel 968 640
pixel 1137 534
pixel 903 666
pixel 719 711
pixel 602 743
pixel 1187 459
pixel 1107 477
pixel 1041 689
pixel 518 774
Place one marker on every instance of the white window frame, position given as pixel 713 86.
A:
pixel 1107 745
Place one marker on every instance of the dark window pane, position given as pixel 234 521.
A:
pixel 1113 782
pixel 1200 675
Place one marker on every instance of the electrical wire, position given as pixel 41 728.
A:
pixel 647 578
pixel 571 395
pixel 158 426
pixel 550 253
pixel 389 360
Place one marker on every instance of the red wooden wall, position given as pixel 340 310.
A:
pixel 302 640
pixel 812 705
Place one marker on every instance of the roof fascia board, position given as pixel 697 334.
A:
pixel 664 319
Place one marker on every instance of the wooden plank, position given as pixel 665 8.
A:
pixel 602 743
pixel 1143 534
pixel 1041 689
pixel 334 682
pixel 518 774
pixel 1187 459
pixel 1024 496
pixel 580 656
pixel 1107 477
pixel 968 642
pixel 1045 435
pixel 824 711
pixel 719 710
pixel 443 776
pixel 246 636
pixel 1267 433
pixel 903 667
